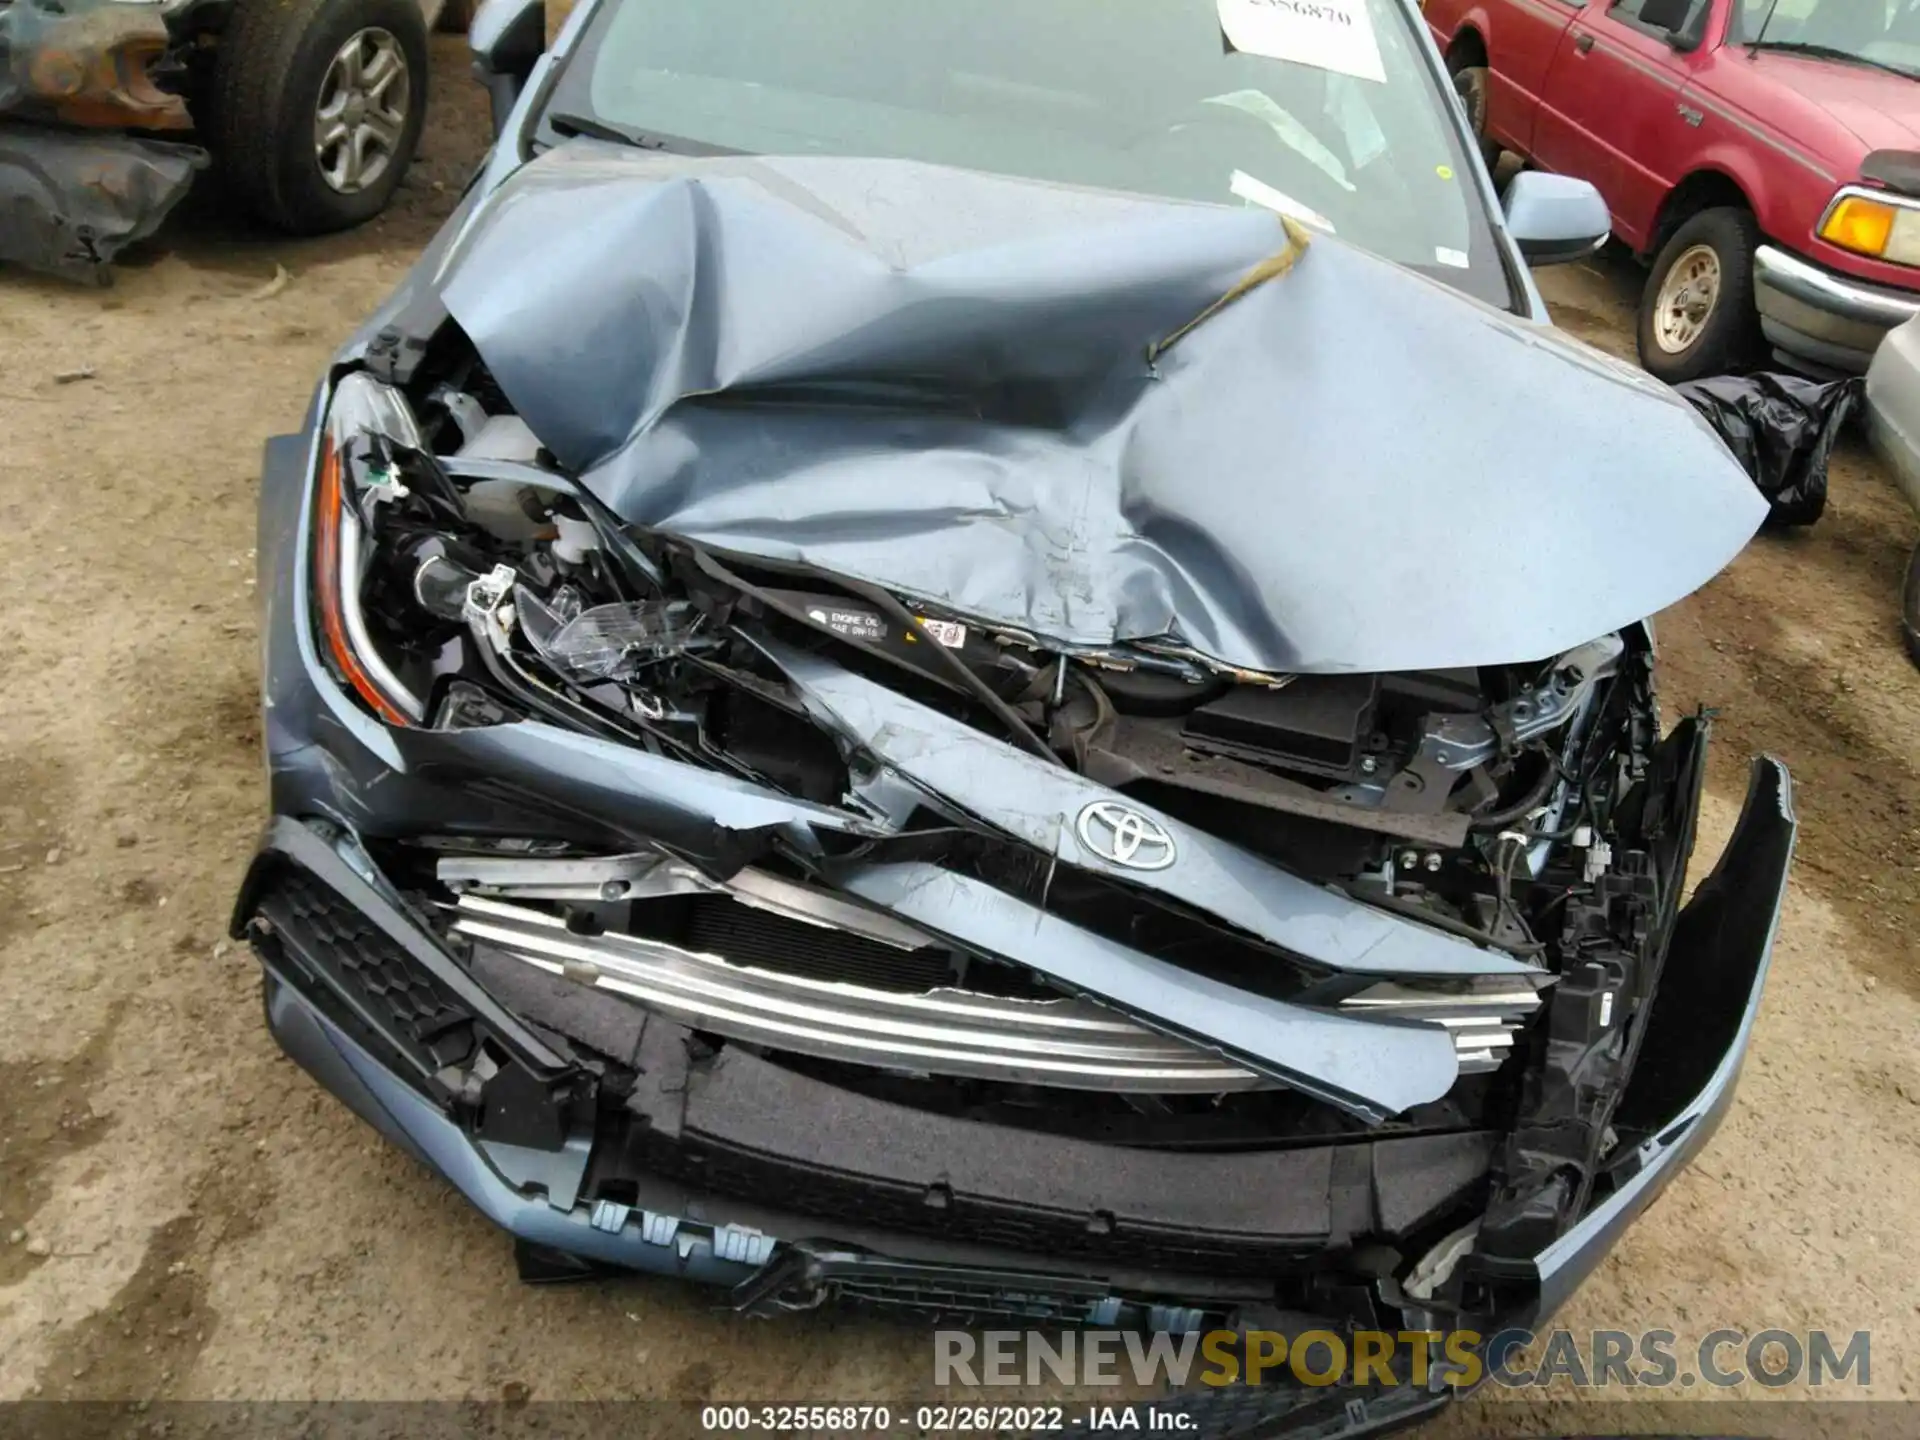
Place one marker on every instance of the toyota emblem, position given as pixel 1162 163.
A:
pixel 1123 836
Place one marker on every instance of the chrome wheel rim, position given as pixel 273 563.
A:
pixel 362 111
pixel 1688 297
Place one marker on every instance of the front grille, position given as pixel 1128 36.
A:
pixel 864 1201
pixel 721 925
pixel 944 1031
pixel 956 1302
pixel 953 1296
pixel 326 936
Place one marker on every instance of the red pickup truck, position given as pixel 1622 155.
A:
pixel 1763 155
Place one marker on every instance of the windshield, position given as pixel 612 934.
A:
pixel 1348 132
pixel 1882 33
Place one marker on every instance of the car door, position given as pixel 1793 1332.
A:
pixel 1524 36
pixel 1612 110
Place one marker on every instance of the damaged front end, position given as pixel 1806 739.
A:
pixel 760 885
pixel 702 896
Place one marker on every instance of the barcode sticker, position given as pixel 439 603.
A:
pixel 949 633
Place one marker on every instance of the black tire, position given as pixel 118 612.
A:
pixel 274 57
pixel 1728 339
pixel 1471 76
pixel 1910 607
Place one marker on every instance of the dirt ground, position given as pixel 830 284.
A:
pixel 183 1214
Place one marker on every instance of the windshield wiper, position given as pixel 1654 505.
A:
pixel 1831 52
pixel 597 129
pixel 594 128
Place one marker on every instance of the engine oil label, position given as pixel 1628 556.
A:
pixel 854 624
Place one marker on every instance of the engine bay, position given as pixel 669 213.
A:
pixel 493 587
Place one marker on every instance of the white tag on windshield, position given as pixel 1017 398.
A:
pixel 1334 35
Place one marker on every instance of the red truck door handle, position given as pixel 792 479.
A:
pixel 1583 42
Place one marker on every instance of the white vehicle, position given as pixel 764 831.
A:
pixel 1893 423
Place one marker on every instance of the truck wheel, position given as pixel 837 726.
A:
pixel 1470 82
pixel 318 106
pixel 1697 316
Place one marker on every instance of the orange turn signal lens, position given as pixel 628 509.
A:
pixel 1861 225
pixel 326 589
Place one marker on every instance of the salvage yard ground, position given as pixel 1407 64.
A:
pixel 183 1214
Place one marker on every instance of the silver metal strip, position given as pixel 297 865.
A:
pixel 648 875
pixel 1483 1021
pixel 1068 1043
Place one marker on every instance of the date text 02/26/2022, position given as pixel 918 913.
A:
pixel 935 1419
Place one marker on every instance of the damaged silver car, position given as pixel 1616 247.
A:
pixel 988 662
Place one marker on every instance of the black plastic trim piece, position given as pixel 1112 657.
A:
pixel 287 840
pixel 817 1145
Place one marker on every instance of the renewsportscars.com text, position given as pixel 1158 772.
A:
pixel 1517 1359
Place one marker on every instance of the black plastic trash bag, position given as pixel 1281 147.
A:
pixel 70 200
pixel 1781 429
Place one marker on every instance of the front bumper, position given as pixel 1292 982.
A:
pixel 754 1155
pixel 334 1020
pixel 1821 319
pixel 1697 1035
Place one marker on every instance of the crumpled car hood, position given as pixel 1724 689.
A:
pixel 939 381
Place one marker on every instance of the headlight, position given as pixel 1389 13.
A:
pixel 1871 224
pixel 363 412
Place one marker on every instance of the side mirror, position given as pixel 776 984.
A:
pixel 507 38
pixel 1555 218
pixel 1683 20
